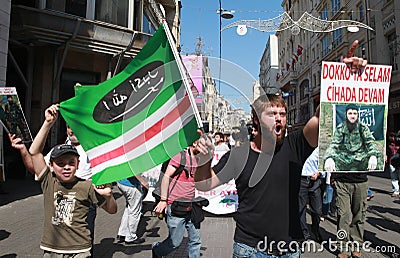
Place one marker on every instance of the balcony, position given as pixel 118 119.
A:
pixel 35 27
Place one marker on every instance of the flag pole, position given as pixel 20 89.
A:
pixel 182 72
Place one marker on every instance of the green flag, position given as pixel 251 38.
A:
pixel 137 119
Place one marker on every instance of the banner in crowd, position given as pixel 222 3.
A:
pixel 194 66
pixel 223 199
pixel 12 116
pixel 151 176
pixel 137 119
pixel 353 111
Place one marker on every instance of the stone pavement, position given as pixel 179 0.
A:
pixel 21 214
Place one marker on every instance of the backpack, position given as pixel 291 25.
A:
pixel 157 187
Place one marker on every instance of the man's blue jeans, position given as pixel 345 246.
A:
pixel 242 250
pixel 176 228
pixel 327 200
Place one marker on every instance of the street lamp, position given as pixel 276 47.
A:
pixel 226 14
pixel 353 29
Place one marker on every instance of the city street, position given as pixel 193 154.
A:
pixel 129 83
pixel 21 214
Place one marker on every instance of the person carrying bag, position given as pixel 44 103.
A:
pixel 176 201
pixel 192 209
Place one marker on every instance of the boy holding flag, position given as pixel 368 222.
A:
pixel 66 198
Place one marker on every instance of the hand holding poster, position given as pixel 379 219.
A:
pixel 353 112
pixel 11 115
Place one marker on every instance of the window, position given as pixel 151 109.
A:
pixel 337 37
pixel 303 113
pixel 75 7
pixel 325 46
pixel 393 50
pixel 29 3
pixel 351 16
pixel 314 81
pixel 291 117
pixel 114 12
pixel 292 98
pixel 361 12
pixel 137 14
pixel 363 51
pixel 304 89
pixel 147 26
pixel 324 13
pixel 335 6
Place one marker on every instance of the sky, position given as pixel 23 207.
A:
pixel 240 55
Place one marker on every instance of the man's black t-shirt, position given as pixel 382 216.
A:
pixel 268 188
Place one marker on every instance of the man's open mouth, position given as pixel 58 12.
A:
pixel 278 129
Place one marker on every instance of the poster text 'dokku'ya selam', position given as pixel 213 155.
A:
pixel 353 111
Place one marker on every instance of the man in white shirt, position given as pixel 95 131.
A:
pixel 310 190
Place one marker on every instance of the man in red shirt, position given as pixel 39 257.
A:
pixel 173 187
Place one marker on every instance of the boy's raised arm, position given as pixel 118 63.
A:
pixel 51 115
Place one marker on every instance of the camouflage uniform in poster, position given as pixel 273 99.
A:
pixel 351 150
pixel 15 120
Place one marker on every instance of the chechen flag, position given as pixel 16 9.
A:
pixel 137 119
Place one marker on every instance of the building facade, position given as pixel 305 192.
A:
pixel 301 55
pixel 257 90
pixel 269 67
pixel 209 99
pixel 5 10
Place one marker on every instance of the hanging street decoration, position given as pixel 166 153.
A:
pixel 305 22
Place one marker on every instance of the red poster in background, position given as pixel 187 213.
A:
pixel 194 66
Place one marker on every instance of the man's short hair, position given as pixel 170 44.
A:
pixel 351 106
pixel 267 100
pixel 221 135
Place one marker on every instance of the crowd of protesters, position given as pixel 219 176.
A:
pixel 274 172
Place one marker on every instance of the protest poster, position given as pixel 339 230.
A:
pixel 222 199
pixel 11 115
pixel 194 66
pixel 151 176
pixel 353 111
